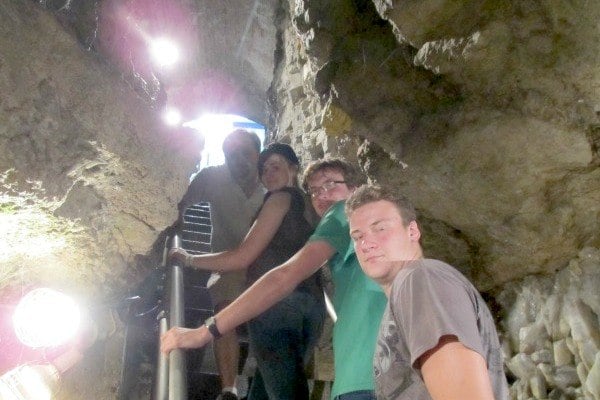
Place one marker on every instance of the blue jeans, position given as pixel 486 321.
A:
pixel 281 340
pixel 358 395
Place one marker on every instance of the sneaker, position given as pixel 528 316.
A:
pixel 227 396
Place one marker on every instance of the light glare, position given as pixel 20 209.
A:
pixel 164 52
pixel 172 117
pixel 214 128
pixel 46 318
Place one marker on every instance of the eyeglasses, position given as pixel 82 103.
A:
pixel 315 191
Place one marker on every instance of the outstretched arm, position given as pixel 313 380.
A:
pixel 268 290
pixel 256 241
pixel 452 371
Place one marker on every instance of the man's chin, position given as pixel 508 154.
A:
pixel 243 178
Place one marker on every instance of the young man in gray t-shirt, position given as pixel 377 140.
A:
pixel 437 338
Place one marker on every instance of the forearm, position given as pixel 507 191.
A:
pixel 274 285
pixel 261 296
pixel 220 262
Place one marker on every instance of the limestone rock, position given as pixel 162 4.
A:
pixel 592 383
pixel 522 367
pixel 538 386
pixel 542 356
pixel 532 337
pixel 584 330
pixel 562 354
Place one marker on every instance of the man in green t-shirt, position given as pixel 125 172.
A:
pixel 358 301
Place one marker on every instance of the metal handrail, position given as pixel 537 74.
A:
pixel 177 365
pixel 171 381
pixel 161 383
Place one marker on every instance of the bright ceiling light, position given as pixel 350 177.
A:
pixel 172 117
pixel 164 52
pixel 46 318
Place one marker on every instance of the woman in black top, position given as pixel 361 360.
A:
pixel 282 337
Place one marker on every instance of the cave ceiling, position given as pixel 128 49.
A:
pixel 226 49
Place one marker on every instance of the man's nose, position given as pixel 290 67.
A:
pixel 322 193
pixel 367 245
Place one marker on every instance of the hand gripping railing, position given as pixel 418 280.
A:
pixel 171 379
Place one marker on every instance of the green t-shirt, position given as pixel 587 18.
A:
pixel 359 303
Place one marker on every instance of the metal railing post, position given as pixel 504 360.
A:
pixel 161 384
pixel 177 363
pixel 171 371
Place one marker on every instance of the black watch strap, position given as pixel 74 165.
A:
pixel 211 325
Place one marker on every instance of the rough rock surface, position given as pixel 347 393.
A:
pixel 490 126
pixel 76 138
pixel 551 331
pixel 486 113
pixel 89 179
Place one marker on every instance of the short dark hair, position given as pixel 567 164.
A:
pixel 371 193
pixel 242 133
pixel 352 176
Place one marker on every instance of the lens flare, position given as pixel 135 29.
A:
pixel 164 52
pixel 214 128
pixel 172 117
pixel 46 318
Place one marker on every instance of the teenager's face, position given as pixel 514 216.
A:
pixel 381 240
pixel 327 187
pixel 278 173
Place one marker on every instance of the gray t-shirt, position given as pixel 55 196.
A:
pixel 430 299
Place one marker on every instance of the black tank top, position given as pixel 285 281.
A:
pixel 292 234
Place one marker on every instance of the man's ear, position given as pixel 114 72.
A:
pixel 413 231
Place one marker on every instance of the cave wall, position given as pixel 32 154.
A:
pixel 496 145
pixel 89 179
pixel 485 113
pixel 82 143
pixel 551 331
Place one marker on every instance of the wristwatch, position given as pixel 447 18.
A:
pixel 211 325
